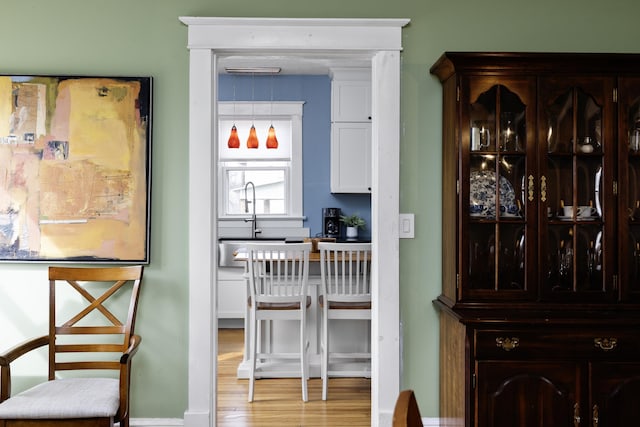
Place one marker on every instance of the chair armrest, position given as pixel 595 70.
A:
pixel 23 348
pixel 134 342
pixel 11 355
pixel 125 375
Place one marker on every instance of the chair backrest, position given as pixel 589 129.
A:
pixel 406 412
pixel 91 332
pixel 278 272
pixel 345 269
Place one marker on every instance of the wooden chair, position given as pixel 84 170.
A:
pixel 278 281
pixel 346 294
pixel 84 336
pixel 406 412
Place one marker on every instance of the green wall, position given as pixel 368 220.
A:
pixel 144 37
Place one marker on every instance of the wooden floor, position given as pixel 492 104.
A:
pixel 278 402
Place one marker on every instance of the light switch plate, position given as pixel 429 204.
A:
pixel 407 226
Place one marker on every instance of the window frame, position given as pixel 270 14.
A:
pixel 266 110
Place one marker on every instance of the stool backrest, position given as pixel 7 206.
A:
pixel 278 272
pixel 345 269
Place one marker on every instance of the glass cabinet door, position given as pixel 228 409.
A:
pixel 575 189
pixel 629 194
pixel 496 148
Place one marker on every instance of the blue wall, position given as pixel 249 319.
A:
pixel 315 91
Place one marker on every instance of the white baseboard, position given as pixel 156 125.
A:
pixel 156 422
pixel 172 422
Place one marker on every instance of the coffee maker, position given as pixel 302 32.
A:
pixel 331 222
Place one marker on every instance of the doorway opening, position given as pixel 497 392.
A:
pixel 212 38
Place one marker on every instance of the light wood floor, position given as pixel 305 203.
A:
pixel 278 402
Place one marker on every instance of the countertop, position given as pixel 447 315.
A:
pixel 313 256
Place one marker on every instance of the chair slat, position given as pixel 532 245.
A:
pixel 88 348
pixel 70 366
pixel 90 330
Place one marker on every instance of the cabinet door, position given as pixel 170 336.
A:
pixel 577 194
pixel 351 101
pixel 351 158
pixel 497 216
pixel 232 293
pixel 629 184
pixel 527 394
pixel 615 389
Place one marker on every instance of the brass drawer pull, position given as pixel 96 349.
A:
pixel 605 344
pixel 507 344
pixel 543 188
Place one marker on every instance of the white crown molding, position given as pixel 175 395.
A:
pixel 294 34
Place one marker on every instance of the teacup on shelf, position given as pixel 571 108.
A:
pixel 586 211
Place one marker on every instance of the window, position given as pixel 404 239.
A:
pixel 276 173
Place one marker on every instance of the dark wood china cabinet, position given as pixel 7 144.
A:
pixel 540 303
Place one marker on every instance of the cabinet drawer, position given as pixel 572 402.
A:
pixel 590 343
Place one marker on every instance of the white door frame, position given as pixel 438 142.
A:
pixel 208 39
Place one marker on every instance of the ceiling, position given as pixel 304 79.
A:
pixel 317 64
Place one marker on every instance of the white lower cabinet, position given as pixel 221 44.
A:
pixel 232 293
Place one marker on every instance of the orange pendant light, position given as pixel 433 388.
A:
pixel 272 141
pixel 252 141
pixel 234 141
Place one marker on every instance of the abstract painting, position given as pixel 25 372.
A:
pixel 75 169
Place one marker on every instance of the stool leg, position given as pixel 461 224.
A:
pixel 252 346
pixel 303 353
pixel 325 352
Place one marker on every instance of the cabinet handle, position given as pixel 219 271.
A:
pixel 507 344
pixel 543 188
pixel 605 344
pixel 595 416
pixel 531 188
pixel 576 415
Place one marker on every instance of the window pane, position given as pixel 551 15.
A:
pixel 269 191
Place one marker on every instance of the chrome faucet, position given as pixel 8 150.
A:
pixel 253 220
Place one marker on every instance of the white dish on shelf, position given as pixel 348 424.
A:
pixel 482 193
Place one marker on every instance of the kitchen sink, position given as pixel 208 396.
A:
pixel 228 246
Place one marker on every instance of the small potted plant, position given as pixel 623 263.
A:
pixel 352 222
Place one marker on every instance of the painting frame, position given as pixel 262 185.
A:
pixel 75 168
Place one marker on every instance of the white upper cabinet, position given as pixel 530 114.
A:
pixel 351 99
pixel 351 158
pixel 351 130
